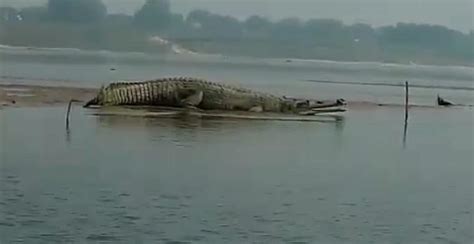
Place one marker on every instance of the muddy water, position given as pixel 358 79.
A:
pixel 135 180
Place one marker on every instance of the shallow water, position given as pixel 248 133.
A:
pixel 135 180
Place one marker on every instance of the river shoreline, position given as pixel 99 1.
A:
pixel 22 95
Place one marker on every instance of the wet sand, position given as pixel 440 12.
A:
pixel 32 96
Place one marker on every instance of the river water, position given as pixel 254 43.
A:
pixel 189 180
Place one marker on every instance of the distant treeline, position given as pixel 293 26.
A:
pixel 86 24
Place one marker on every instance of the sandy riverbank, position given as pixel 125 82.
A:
pixel 17 95
pixel 31 96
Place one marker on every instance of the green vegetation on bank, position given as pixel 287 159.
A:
pixel 86 24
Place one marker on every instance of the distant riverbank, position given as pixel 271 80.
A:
pixel 182 50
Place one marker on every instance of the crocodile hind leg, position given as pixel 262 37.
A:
pixel 192 99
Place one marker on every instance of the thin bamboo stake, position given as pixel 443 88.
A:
pixel 405 128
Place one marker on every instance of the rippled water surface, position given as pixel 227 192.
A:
pixel 135 180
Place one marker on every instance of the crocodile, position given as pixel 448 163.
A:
pixel 186 92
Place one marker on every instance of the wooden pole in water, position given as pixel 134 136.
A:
pixel 68 112
pixel 406 101
pixel 406 115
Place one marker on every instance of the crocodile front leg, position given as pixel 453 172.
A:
pixel 256 109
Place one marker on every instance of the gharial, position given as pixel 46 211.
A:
pixel 205 95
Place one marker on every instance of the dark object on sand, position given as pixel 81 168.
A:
pixel 113 69
pixel 444 102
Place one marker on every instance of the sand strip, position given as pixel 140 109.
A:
pixel 31 96
pixel 16 95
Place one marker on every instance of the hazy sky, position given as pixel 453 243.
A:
pixel 457 14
